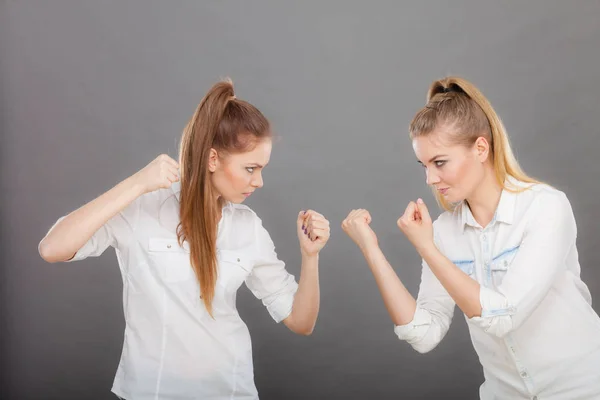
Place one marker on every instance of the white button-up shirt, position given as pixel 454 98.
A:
pixel 538 336
pixel 172 348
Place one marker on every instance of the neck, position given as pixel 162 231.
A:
pixel 484 201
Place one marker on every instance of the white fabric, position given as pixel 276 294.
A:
pixel 172 348
pixel 538 336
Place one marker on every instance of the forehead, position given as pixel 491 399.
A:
pixel 260 154
pixel 434 143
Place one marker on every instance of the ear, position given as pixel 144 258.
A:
pixel 213 160
pixel 481 147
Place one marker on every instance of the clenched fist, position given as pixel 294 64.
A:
pixel 356 225
pixel 159 174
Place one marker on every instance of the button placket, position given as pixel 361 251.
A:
pixel 486 258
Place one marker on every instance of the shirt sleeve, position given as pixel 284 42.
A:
pixel 269 281
pixel 547 242
pixel 433 315
pixel 112 233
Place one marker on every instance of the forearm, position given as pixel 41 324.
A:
pixel 401 305
pixel 73 231
pixel 306 301
pixel 463 290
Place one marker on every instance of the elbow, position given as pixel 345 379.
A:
pixel 474 311
pixel 304 331
pixel 49 252
pixel 423 348
pixel 46 252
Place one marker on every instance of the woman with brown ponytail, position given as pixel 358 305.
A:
pixel 185 244
pixel 504 251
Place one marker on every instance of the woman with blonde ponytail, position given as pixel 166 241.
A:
pixel 185 244
pixel 504 251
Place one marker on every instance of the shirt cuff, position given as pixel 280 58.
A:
pixel 496 312
pixel 281 307
pixel 416 329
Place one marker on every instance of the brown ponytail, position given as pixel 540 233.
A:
pixel 228 125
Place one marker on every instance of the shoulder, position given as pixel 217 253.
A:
pixel 241 212
pixel 541 207
pixel 242 217
pixel 448 221
pixel 542 200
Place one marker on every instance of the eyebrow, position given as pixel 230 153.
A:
pixel 434 158
pixel 256 165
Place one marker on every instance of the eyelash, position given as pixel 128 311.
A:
pixel 438 163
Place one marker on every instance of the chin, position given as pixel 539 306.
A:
pixel 235 200
pixel 453 198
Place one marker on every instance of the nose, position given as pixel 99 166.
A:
pixel 257 180
pixel 431 177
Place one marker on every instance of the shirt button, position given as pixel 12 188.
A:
pixel 512 349
pixel 524 374
pixel 238 260
pixel 505 263
pixel 534 398
pixel 168 246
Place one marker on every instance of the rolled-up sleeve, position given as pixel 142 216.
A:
pixel 269 281
pixel 113 233
pixel 549 238
pixel 433 315
pixel 97 244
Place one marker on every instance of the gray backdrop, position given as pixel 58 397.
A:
pixel 92 91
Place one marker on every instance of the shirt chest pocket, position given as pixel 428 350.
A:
pixel 234 267
pixel 171 260
pixel 501 264
pixel 466 266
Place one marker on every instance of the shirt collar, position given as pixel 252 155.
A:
pixel 505 211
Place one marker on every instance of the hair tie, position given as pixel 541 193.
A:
pixel 452 88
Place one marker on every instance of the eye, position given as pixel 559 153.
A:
pixel 440 163
pixel 250 169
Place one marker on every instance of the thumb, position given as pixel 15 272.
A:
pixel 423 210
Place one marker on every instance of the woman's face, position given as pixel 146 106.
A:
pixel 454 170
pixel 236 176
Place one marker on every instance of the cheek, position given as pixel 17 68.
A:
pixel 236 178
pixel 468 172
pixel 456 173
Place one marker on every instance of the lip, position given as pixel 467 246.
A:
pixel 443 190
pixel 247 194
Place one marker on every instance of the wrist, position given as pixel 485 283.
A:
pixel 370 251
pixel 309 257
pixel 427 249
pixel 135 184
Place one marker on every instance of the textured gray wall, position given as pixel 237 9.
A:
pixel 90 91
